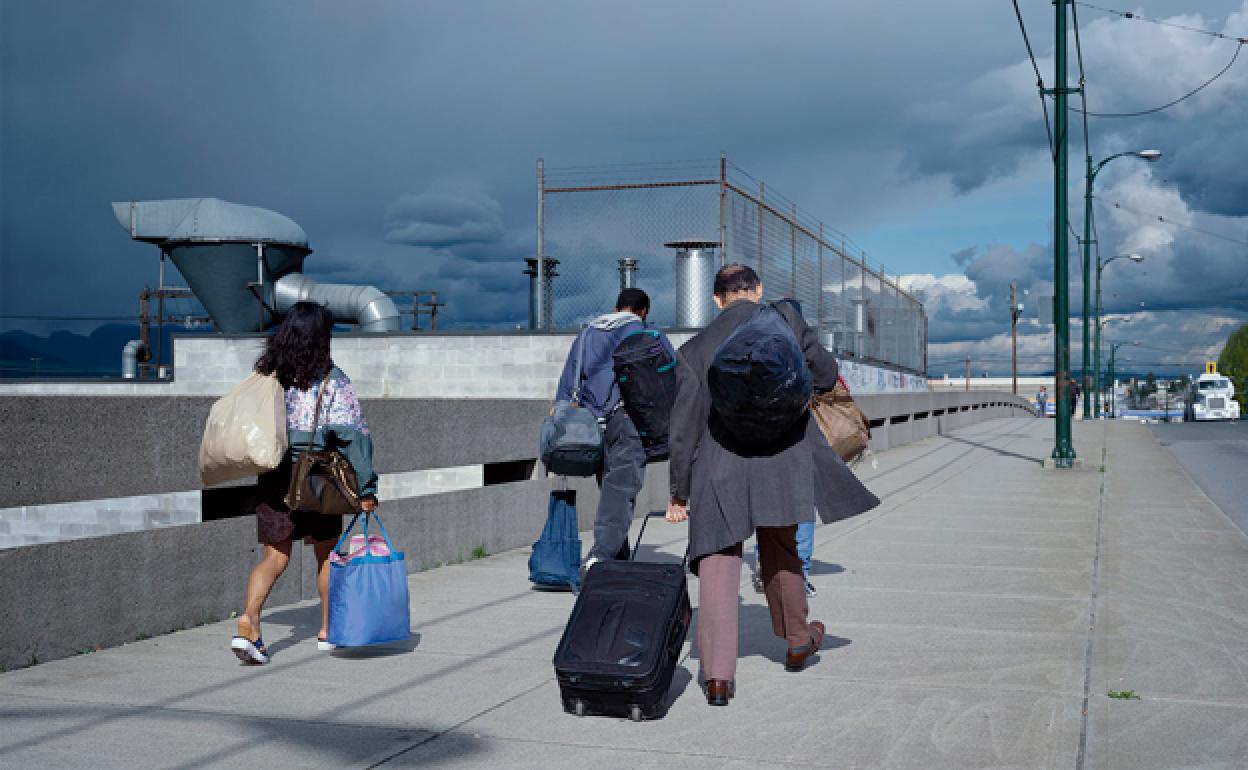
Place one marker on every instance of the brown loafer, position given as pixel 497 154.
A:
pixel 719 691
pixel 795 659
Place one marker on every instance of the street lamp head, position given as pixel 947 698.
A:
pixel 1149 155
pixel 1136 257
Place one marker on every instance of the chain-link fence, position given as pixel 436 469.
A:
pixel 590 218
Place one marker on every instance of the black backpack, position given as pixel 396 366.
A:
pixel 758 379
pixel 646 374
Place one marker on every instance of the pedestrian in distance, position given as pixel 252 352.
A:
pixel 623 469
pixel 1074 396
pixel 298 355
pixel 729 488
pixel 1042 399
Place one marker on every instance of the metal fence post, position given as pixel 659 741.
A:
pixel 762 212
pixel 821 292
pixel 793 252
pixel 723 195
pixel 541 243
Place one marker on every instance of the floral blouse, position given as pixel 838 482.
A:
pixel 341 426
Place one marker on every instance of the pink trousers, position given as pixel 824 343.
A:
pixel 719 584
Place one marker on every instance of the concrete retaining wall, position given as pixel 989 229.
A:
pixel 61 598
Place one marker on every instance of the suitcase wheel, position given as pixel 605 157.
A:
pixel 579 707
pixel 635 713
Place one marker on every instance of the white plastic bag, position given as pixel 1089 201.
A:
pixel 246 431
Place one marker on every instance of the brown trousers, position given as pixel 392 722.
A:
pixel 719 587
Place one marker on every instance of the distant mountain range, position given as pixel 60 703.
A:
pixel 65 354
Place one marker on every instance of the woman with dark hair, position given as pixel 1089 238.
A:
pixel 298 355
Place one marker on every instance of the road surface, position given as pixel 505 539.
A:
pixel 1215 455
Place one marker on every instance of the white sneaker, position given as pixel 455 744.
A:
pixel 324 646
pixel 810 589
pixel 591 561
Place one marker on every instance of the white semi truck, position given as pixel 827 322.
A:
pixel 1211 397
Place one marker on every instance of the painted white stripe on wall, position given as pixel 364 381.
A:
pixel 25 525
pixel 28 524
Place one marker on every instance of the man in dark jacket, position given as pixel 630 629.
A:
pixel 728 492
pixel 624 460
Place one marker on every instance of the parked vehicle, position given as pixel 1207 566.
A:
pixel 1212 397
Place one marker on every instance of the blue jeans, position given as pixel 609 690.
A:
pixel 805 545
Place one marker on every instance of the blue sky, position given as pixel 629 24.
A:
pixel 913 127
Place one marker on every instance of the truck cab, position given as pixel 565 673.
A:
pixel 1211 397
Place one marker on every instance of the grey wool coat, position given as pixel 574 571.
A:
pixel 732 489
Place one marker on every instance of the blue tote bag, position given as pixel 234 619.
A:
pixel 368 601
pixel 556 558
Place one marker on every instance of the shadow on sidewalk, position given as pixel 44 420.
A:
pixel 825 567
pixel 304 624
pixel 755 638
pixel 995 450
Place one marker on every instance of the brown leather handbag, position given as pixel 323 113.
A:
pixel 843 424
pixel 322 480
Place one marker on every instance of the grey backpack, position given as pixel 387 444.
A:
pixel 571 439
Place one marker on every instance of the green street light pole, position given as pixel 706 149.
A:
pixel 1100 268
pixel 1064 449
pixel 1089 180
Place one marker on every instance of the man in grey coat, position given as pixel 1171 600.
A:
pixel 729 490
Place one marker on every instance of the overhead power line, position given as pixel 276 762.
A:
pixel 1169 104
pixel 1137 17
pixel 1172 223
pixel 1044 105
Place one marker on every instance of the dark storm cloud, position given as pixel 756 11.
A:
pixel 351 119
pixel 445 219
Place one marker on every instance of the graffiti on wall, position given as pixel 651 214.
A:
pixel 863 378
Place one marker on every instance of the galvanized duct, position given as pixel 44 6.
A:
pixel 244 263
pixel 365 305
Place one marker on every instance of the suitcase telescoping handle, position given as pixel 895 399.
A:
pixel 641 533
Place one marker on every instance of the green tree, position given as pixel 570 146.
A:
pixel 1234 363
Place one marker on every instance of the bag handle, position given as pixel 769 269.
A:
pixel 316 413
pixel 684 560
pixel 347 532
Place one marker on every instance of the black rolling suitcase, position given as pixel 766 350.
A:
pixel 620 647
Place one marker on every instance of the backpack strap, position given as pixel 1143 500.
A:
pixel 316 414
pixel 788 308
pixel 580 353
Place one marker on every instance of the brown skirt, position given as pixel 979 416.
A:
pixel 275 523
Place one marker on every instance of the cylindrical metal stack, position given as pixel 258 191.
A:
pixel 628 273
pixel 696 264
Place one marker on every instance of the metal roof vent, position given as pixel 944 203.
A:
pixel 696 263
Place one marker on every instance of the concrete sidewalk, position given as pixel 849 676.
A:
pixel 978 618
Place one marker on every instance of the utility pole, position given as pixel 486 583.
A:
pixel 967 381
pixel 1063 450
pixel 1014 313
pixel 1087 279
